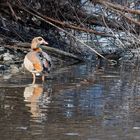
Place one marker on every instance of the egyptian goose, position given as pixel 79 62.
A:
pixel 36 61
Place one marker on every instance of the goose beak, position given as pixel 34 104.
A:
pixel 45 42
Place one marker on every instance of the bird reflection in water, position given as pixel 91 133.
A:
pixel 37 100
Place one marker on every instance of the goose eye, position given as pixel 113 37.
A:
pixel 39 39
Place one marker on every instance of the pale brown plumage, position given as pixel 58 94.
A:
pixel 37 61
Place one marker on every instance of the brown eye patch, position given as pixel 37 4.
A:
pixel 39 39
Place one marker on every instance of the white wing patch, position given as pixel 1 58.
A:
pixel 28 65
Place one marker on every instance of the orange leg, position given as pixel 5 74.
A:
pixel 34 78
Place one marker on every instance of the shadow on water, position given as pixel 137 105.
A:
pixel 75 103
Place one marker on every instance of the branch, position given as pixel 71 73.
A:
pixel 13 12
pixel 117 6
pixel 120 9
pixel 60 23
pixel 66 25
pixel 53 51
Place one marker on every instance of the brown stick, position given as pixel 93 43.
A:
pixel 13 12
pixel 53 51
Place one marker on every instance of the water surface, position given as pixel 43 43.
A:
pixel 78 102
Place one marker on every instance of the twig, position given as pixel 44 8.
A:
pixel 13 13
pixel 117 7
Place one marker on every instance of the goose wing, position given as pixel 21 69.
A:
pixel 46 60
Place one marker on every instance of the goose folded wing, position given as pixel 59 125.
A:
pixel 47 58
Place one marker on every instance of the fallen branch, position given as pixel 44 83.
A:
pixel 53 51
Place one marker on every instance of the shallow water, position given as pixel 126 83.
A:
pixel 79 102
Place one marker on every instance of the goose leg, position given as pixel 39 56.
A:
pixel 34 78
pixel 43 78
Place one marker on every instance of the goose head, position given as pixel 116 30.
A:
pixel 37 42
